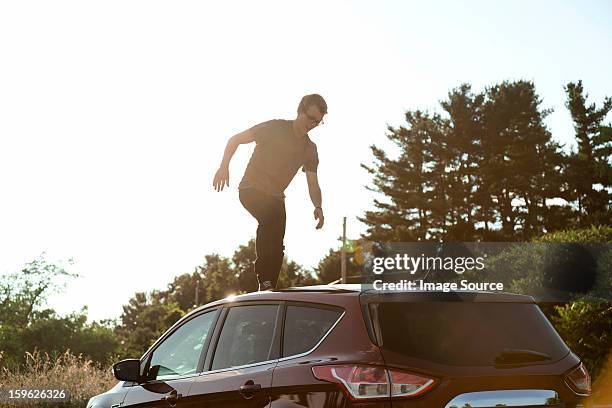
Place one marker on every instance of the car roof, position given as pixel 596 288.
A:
pixel 298 293
pixel 326 293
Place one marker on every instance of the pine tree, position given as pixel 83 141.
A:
pixel 460 159
pixel 520 159
pixel 590 165
pixel 413 208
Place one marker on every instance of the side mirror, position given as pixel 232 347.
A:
pixel 127 370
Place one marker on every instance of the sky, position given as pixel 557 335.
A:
pixel 114 116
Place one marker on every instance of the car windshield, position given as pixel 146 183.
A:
pixel 470 333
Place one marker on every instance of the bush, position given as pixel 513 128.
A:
pixel 586 323
pixel 587 326
pixel 557 267
pixel 596 234
pixel 572 282
pixel 81 377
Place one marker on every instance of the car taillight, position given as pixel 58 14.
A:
pixel 372 382
pixel 580 380
pixel 405 384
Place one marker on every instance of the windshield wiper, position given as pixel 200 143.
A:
pixel 514 356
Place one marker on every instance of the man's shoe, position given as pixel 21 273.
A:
pixel 265 285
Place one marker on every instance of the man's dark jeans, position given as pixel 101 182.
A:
pixel 269 212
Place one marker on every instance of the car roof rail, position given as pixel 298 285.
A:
pixel 321 288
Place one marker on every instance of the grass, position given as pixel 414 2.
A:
pixel 78 375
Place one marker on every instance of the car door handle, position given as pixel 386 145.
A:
pixel 172 397
pixel 249 389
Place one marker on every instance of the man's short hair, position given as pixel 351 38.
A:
pixel 312 99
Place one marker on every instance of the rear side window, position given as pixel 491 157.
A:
pixel 469 333
pixel 247 336
pixel 305 327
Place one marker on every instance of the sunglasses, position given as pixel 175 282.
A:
pixel 314 121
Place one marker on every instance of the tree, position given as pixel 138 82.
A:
pixel 22 296
pixel 244 261
pixel 182 291
pixel 411 201
pixel 55 335
pixel 23 292
pixel 590 165
pixel 216 278
pixel 144 319
pixel 148 316
pixel 27 325
pixel 460 156
pixel 220 278
pixel 329 268
pixel 487 169
pixel 293 274
pixel 521 164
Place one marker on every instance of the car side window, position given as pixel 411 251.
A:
pixel 305 327
pixel 247 336
pixel 179 353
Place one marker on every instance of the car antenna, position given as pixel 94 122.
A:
pixel 438 252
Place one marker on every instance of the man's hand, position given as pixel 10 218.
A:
pixel 318 215
pixel 221 178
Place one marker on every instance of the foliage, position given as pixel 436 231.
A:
pixel 243 260
pixel 586 326
pixel 329 268
pixel 551 270
pixel 143 320
pixel 23 292
pixel 594 234
pixel 25 324
pixel 293 274
pixel 55 335
pixel 590 165
pixel 572 282
pixel 586 323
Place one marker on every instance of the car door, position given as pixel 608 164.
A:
pixel 172 365
pixel 306 326
pixel 239 366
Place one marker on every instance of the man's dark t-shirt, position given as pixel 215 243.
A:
pixel 277 157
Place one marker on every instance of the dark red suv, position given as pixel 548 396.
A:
pixel 339 346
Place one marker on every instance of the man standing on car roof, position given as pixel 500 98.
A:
pixel 282 147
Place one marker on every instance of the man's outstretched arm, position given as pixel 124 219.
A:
pixel 222 175
pixel 315 196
